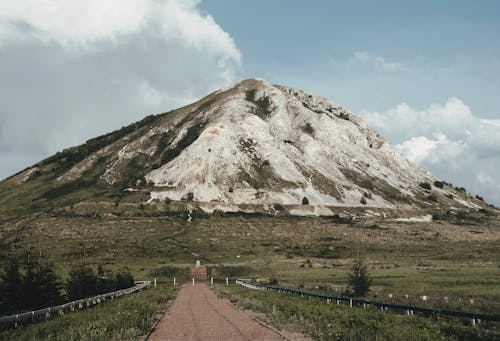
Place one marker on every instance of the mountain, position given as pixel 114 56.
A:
pixel 253 146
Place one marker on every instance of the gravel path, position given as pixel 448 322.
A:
pixel 198 314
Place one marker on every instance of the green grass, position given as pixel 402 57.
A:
pixel 124 318
pixel 437 259
pixel 324 321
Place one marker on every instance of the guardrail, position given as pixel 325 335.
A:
pixel 81 303
pixel 475 318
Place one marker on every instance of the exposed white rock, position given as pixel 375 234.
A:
pixel 423 219
pixel 303 142
pixel 255 143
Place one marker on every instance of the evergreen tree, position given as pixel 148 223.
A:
pixel 30 289
pixel 105 280
pixel 359 279
pixel 49 286
pixel 82 282
pixel 11 288
pixel 124 279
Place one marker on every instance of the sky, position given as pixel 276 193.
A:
pixel 425 74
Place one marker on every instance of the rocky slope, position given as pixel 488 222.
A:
pixel 251 145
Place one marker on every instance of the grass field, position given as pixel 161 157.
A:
pixel 325 321
pixel 124 318
pixel 451 263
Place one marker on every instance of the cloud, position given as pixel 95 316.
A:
pixel 88 24
pixel 375 61
pixel 449 140
pixel 72 70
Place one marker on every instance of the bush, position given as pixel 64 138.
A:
pixel 363 200
pixel 359 280
pixel 438 184
pixel 305 201
pixel 366 184
pixel 11 288
pixel 124 279
pixel 278 207
pixel 82 282
pixel 426 185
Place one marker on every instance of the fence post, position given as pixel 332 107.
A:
pixel 350 302
pixel 473 322
pixel 155 282
pixel 193 280
pixel 227 281
pixel 174 281
pixel 211 281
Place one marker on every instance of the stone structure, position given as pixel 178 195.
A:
pixel 198 272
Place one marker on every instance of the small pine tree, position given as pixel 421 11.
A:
pixel 124 279
pixel 359 280
pixel 82 282
pixel 105 281
pixel 30 289
pixel 49 286
pixel 11 288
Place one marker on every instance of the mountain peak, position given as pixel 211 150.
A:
pixel 249 146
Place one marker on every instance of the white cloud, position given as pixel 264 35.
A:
pixel 417 148
pixel 87 24
pixel 449 140
pixel 363 57
pixel 72 70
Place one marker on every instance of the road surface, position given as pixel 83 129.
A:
pixel 198 314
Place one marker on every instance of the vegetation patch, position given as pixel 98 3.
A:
pixel 262 105
pixel 126 318
pixel 323 321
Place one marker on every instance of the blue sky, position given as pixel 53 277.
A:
pixel 424 73
pixel 445 48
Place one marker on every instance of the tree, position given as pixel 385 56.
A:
pixel 124 279
pixel 82 282
pixel 305 201
pixel 359 279
pixel 30 287
pixel 105 281
pixel 49 286
pixel 11 288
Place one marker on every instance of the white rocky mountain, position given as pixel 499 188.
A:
pixel 254 143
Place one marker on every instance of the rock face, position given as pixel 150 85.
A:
pixel 253 143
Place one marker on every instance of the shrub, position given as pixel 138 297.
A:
pixel 425 185
pixel 359 280
pixel 278 207
pixel 432 198
pixel 124 279
pixel 309 129
pixel 82 282
pixel 363 200
pixel 367 184
pixel 305 201
pixel 438 184
pixel 11 288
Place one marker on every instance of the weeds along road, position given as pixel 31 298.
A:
pixel 198 314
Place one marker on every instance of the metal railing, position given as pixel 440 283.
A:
pixel 384 306
pixel 81 303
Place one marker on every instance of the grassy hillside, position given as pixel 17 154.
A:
pixel 436 259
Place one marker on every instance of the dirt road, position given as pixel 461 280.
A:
pixel 198 314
